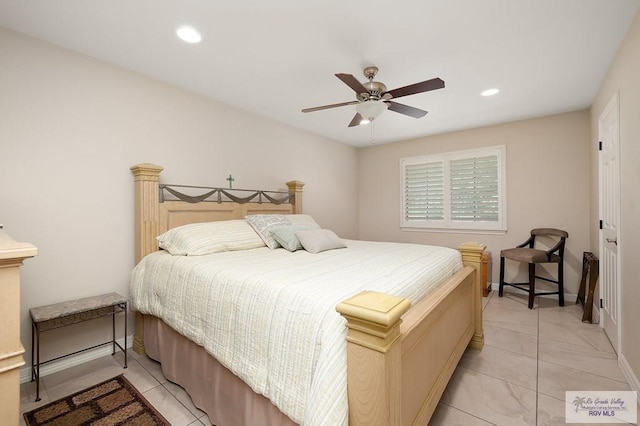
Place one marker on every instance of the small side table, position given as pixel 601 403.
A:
pixel 48 317
pixel 590 269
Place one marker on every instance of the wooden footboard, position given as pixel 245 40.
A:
pixel 400 358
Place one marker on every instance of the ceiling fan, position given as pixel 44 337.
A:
pixel 373 97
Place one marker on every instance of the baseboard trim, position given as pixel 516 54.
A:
pixel 629 374
pixel 72 361
pixel 595 314
pixel 567 296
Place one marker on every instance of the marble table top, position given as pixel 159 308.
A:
pixel 72 307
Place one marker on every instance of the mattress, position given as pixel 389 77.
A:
pixel 269 315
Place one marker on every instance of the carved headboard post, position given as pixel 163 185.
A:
pixel 147 193
pixel 147 190
pixel 295 188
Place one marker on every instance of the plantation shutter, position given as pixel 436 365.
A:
pixel 474 189
pixel 455 191
pixel 424 191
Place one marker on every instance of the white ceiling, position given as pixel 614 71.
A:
pixel 276 57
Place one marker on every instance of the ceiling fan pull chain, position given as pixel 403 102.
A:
pixel 373 142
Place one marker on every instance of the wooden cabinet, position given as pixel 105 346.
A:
pixel 486 273
pixel 12 254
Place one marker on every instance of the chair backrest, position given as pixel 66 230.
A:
pixel 550 232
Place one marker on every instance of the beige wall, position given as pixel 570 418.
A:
pixel 71 127
pixel 623 78
pixel 70 124
pixel 547 185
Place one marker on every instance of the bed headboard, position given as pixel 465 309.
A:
pixel 154 214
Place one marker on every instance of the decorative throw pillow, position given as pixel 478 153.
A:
pixel 286 235
pixel 265 224
pixel 302 219
pixel 318 240
pixel 198 239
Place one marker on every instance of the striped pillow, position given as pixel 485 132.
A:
pixel 198 239
pixel 299 219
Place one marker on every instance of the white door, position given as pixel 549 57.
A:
pixel 610 217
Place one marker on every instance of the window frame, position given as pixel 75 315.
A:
pixel 448 224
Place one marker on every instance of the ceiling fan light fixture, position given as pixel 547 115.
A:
pixel 370 110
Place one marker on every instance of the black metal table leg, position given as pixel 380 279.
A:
pixel 36 371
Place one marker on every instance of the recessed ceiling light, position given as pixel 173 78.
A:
pixel 189 34
pixel 490 92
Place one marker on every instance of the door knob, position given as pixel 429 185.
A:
pixel 613 240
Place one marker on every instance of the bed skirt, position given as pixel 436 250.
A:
pixel 225 398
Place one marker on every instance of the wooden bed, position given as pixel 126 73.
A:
pixel 400 357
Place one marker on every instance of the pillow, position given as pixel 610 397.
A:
pixel 198 239
pixel 318 240
pixel 302 219
pixel 265 224
pixel 286 235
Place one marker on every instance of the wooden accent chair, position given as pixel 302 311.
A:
pixel 526 253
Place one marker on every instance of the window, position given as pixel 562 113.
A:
pixel 464 190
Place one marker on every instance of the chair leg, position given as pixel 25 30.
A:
pixel 501 287
pixel 532 284
pixel 560 284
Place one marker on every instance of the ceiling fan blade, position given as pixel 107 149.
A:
pixel 352 82
pixel 319 108
pixel 425 86
pixel 356 120
pixel 406 109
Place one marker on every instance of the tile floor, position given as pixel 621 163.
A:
pixel 529 359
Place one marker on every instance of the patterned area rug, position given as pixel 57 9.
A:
pixel 113 402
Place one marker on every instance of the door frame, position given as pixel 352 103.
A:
pixel 614 102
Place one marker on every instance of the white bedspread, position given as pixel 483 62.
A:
pixel 269 315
